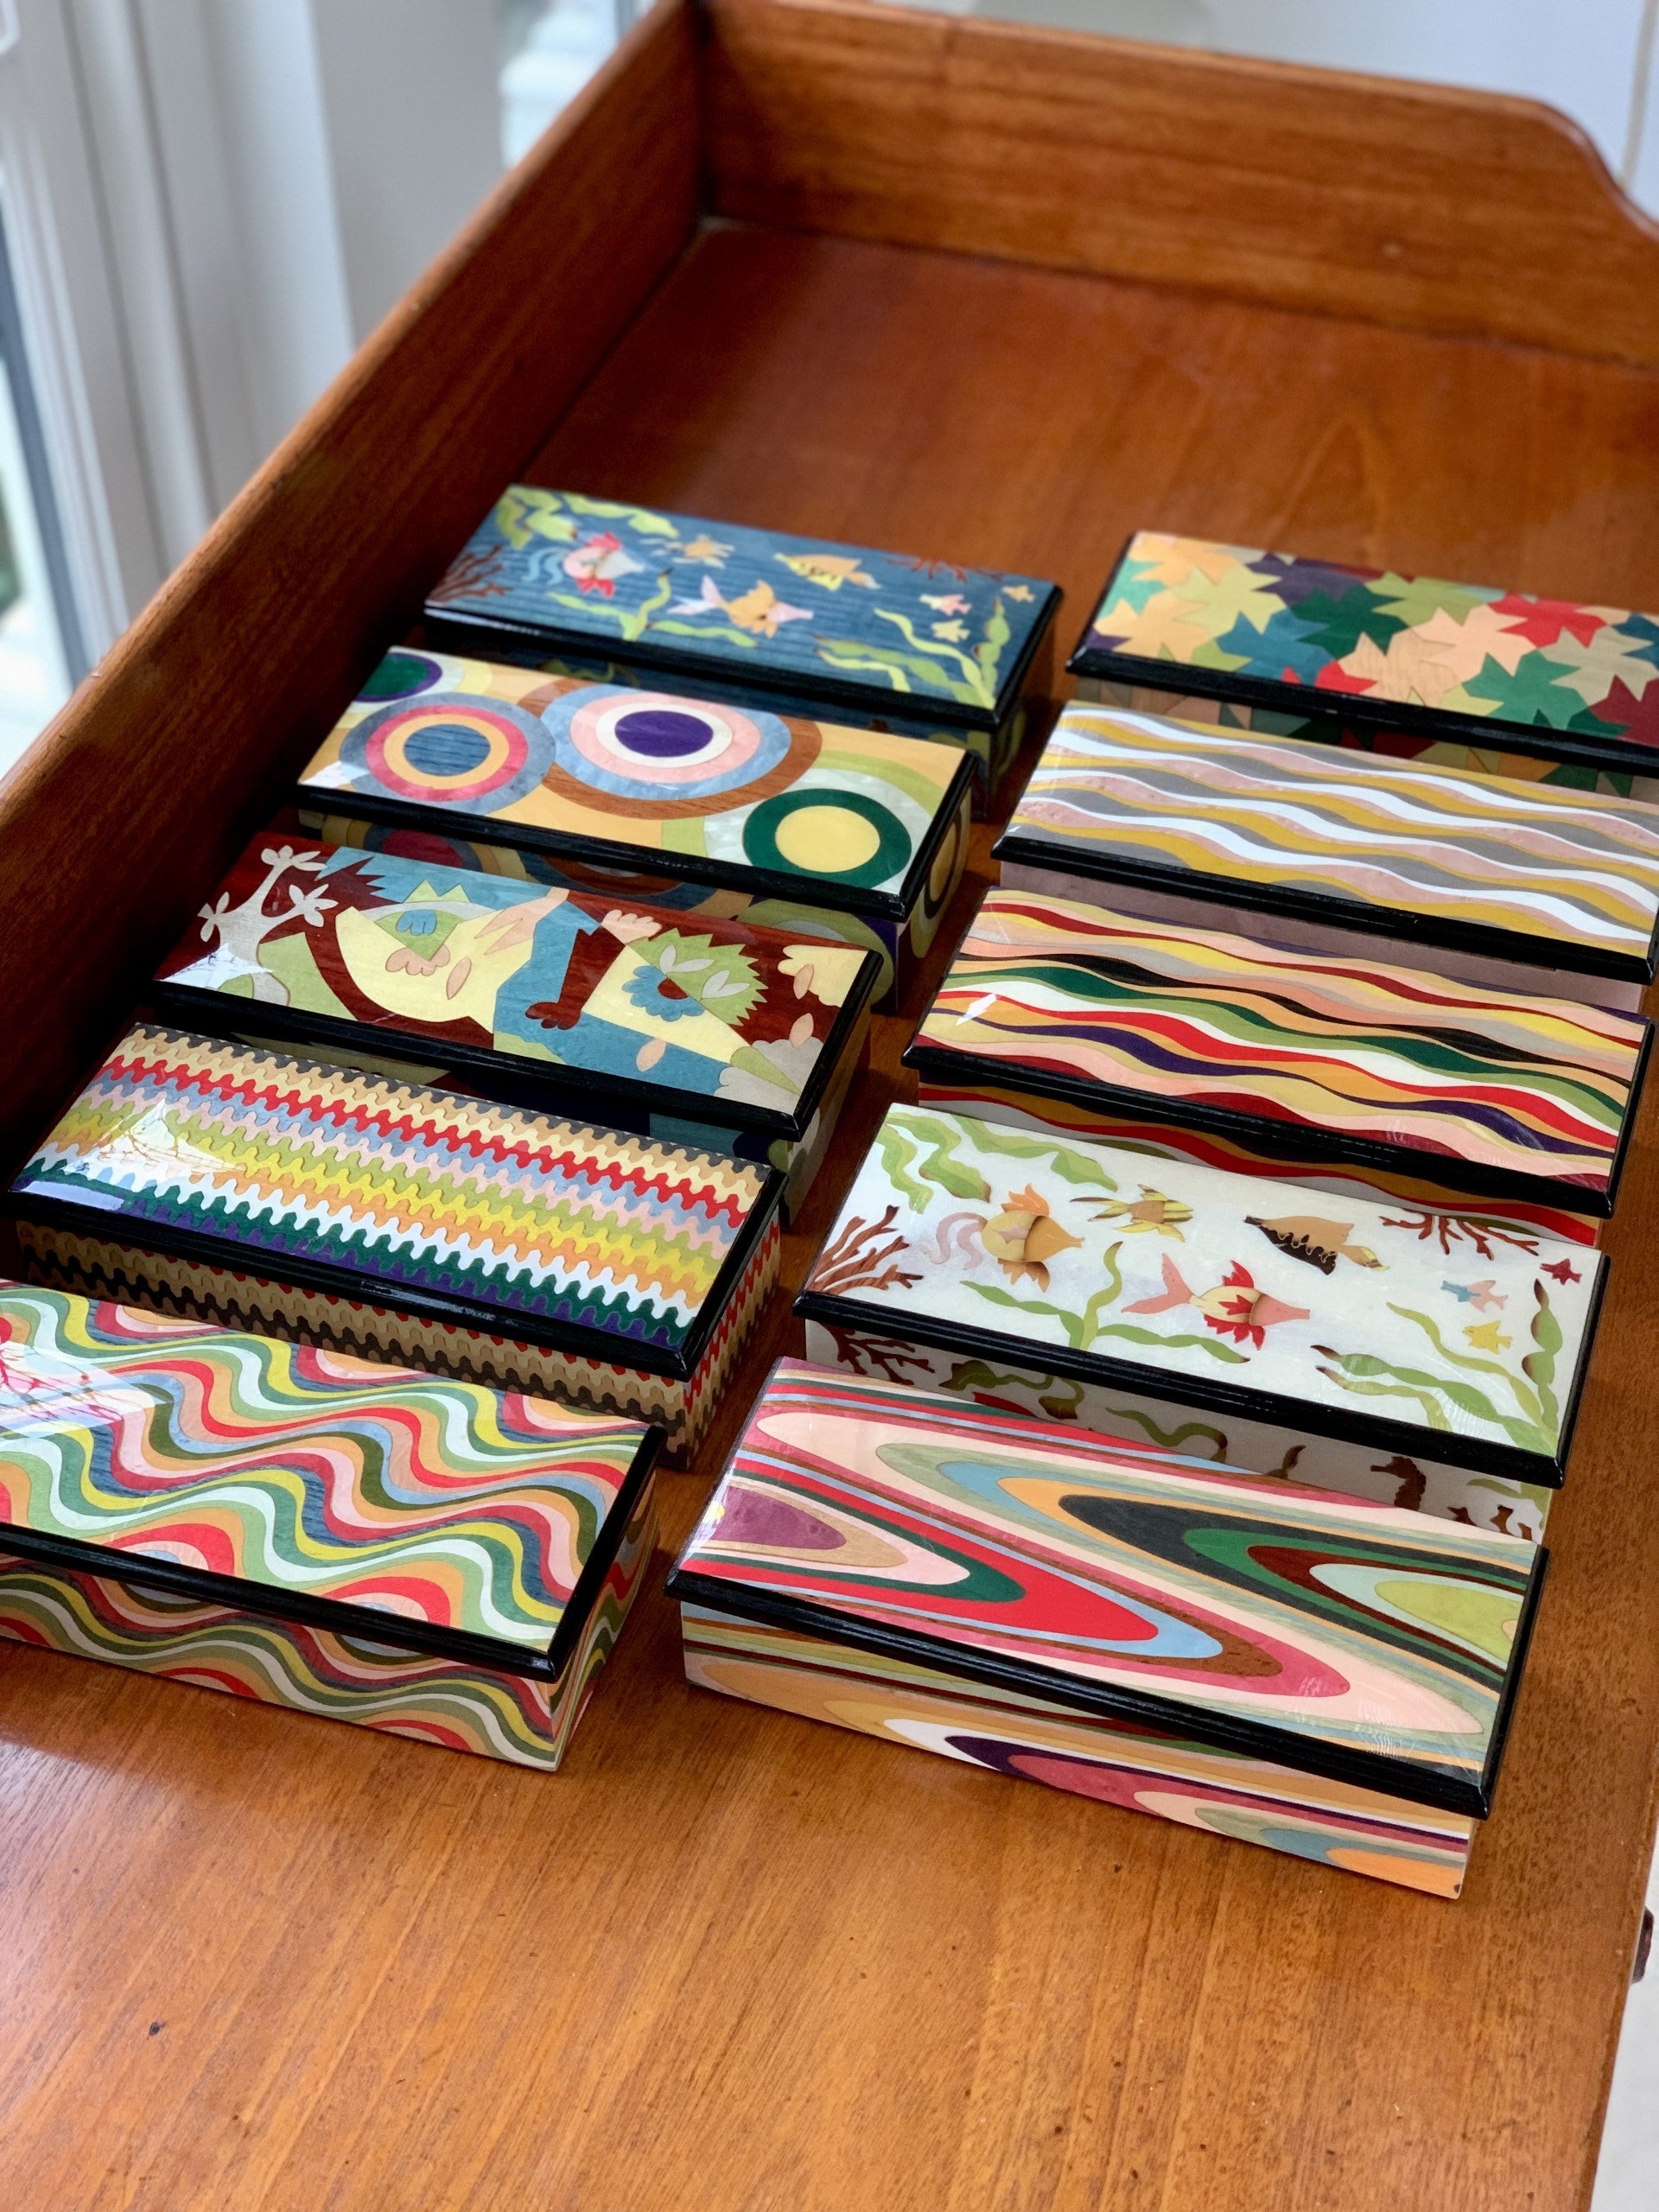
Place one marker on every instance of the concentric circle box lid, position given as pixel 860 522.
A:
pixel 1376 1647
pixel 1444 863
pixel 858 820
pixel 838 623
pixel 1483 1092
pixel 1402 1334
pixel 540 988
pixel 578 1240
pixel 378 1503
pixel 1411 654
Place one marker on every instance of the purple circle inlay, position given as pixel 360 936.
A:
pixel 661 733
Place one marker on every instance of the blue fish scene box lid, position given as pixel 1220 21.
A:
pixel 836 622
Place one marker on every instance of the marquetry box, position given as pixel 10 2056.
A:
pixel 431 1558
pixel 1486 879
pixel 217 1180
pixel 1271 642
pixel 1251 1657
pixel 707 1034
pixel 1345 1074
pixel 850 822
pixel 1418 1358
pixel 928 649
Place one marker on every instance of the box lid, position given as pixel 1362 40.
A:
pixel 617 1248
pixel 711 1019
pixel 1564 680
pixel 757 801
pixel 1305 1056
pixel 1461 1344
pixel 377 1502
pixel 840 621
pixel 1374 1646
pixel 1435 856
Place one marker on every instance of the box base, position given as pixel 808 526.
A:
pixel 1256 1447
pixel 1224 1793
pixel 427 1700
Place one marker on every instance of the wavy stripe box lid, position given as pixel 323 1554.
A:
pixel 1253 1297
pixel 838 622
pixel 438 1516
pixel 715 1021
pixel 1571 681
pixel 1430 859
pixel 1346 1639
pixel 1485 1091
pixel 579 1238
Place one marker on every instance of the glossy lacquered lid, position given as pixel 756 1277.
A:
pixel 409 1508
pixel 1373 1645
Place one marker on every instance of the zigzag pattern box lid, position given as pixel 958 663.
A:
pixel 1342 1638
pixel 1409 653
pixel 755 801
pixel 1220 1290
pixel 837 621
pixel 711 1019
pixel 439 1515
pixel 1562 878
pixel 618 1247
pixel 1501 1094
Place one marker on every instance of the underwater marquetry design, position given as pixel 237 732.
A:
pixel 712 1018
pixel 746 798
pixel 1413 653
pixel 1322 850
pixel 1313 1060
pixel 769 609
pixel 1408 1340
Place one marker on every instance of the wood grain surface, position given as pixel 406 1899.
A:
pixel 727 1962
pixel 1407 203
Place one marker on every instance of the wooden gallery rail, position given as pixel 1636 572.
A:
pixel 969 290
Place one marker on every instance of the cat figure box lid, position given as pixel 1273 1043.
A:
pixel 715 1021
pixel 1566 681
pixel 580 1240
pixel 1488 1093
pixel 1356 1641
pixel 1231 1291
pixel 751 801
pixel 836 622
pixel 1430 857
pixel 438 1516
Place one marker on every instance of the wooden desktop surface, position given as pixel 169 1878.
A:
pixel 729 1961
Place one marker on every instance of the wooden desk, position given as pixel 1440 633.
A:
pixel 730 1962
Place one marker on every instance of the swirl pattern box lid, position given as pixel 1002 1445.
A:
pixel 839 622
pixel 1490 1092
pixel 1570 682
pixel 713 1021
pixel 442 1516
pixel 1347 1639
pixel 1217 1290
pixel 579 1239
pixel 1436 857
pixel 747 799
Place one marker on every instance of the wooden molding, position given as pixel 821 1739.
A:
pixel 123 816
pixel 1407 204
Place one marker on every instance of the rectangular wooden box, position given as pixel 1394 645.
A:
pixel 1414 1359
pixel 717 1035
pixel 1132 1626
pixel 808 626
pixel 434 1559
pixel 849 822
pixel 1323 646
pixel 391 1220
pixel 1347 1075
pixel 1481 877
